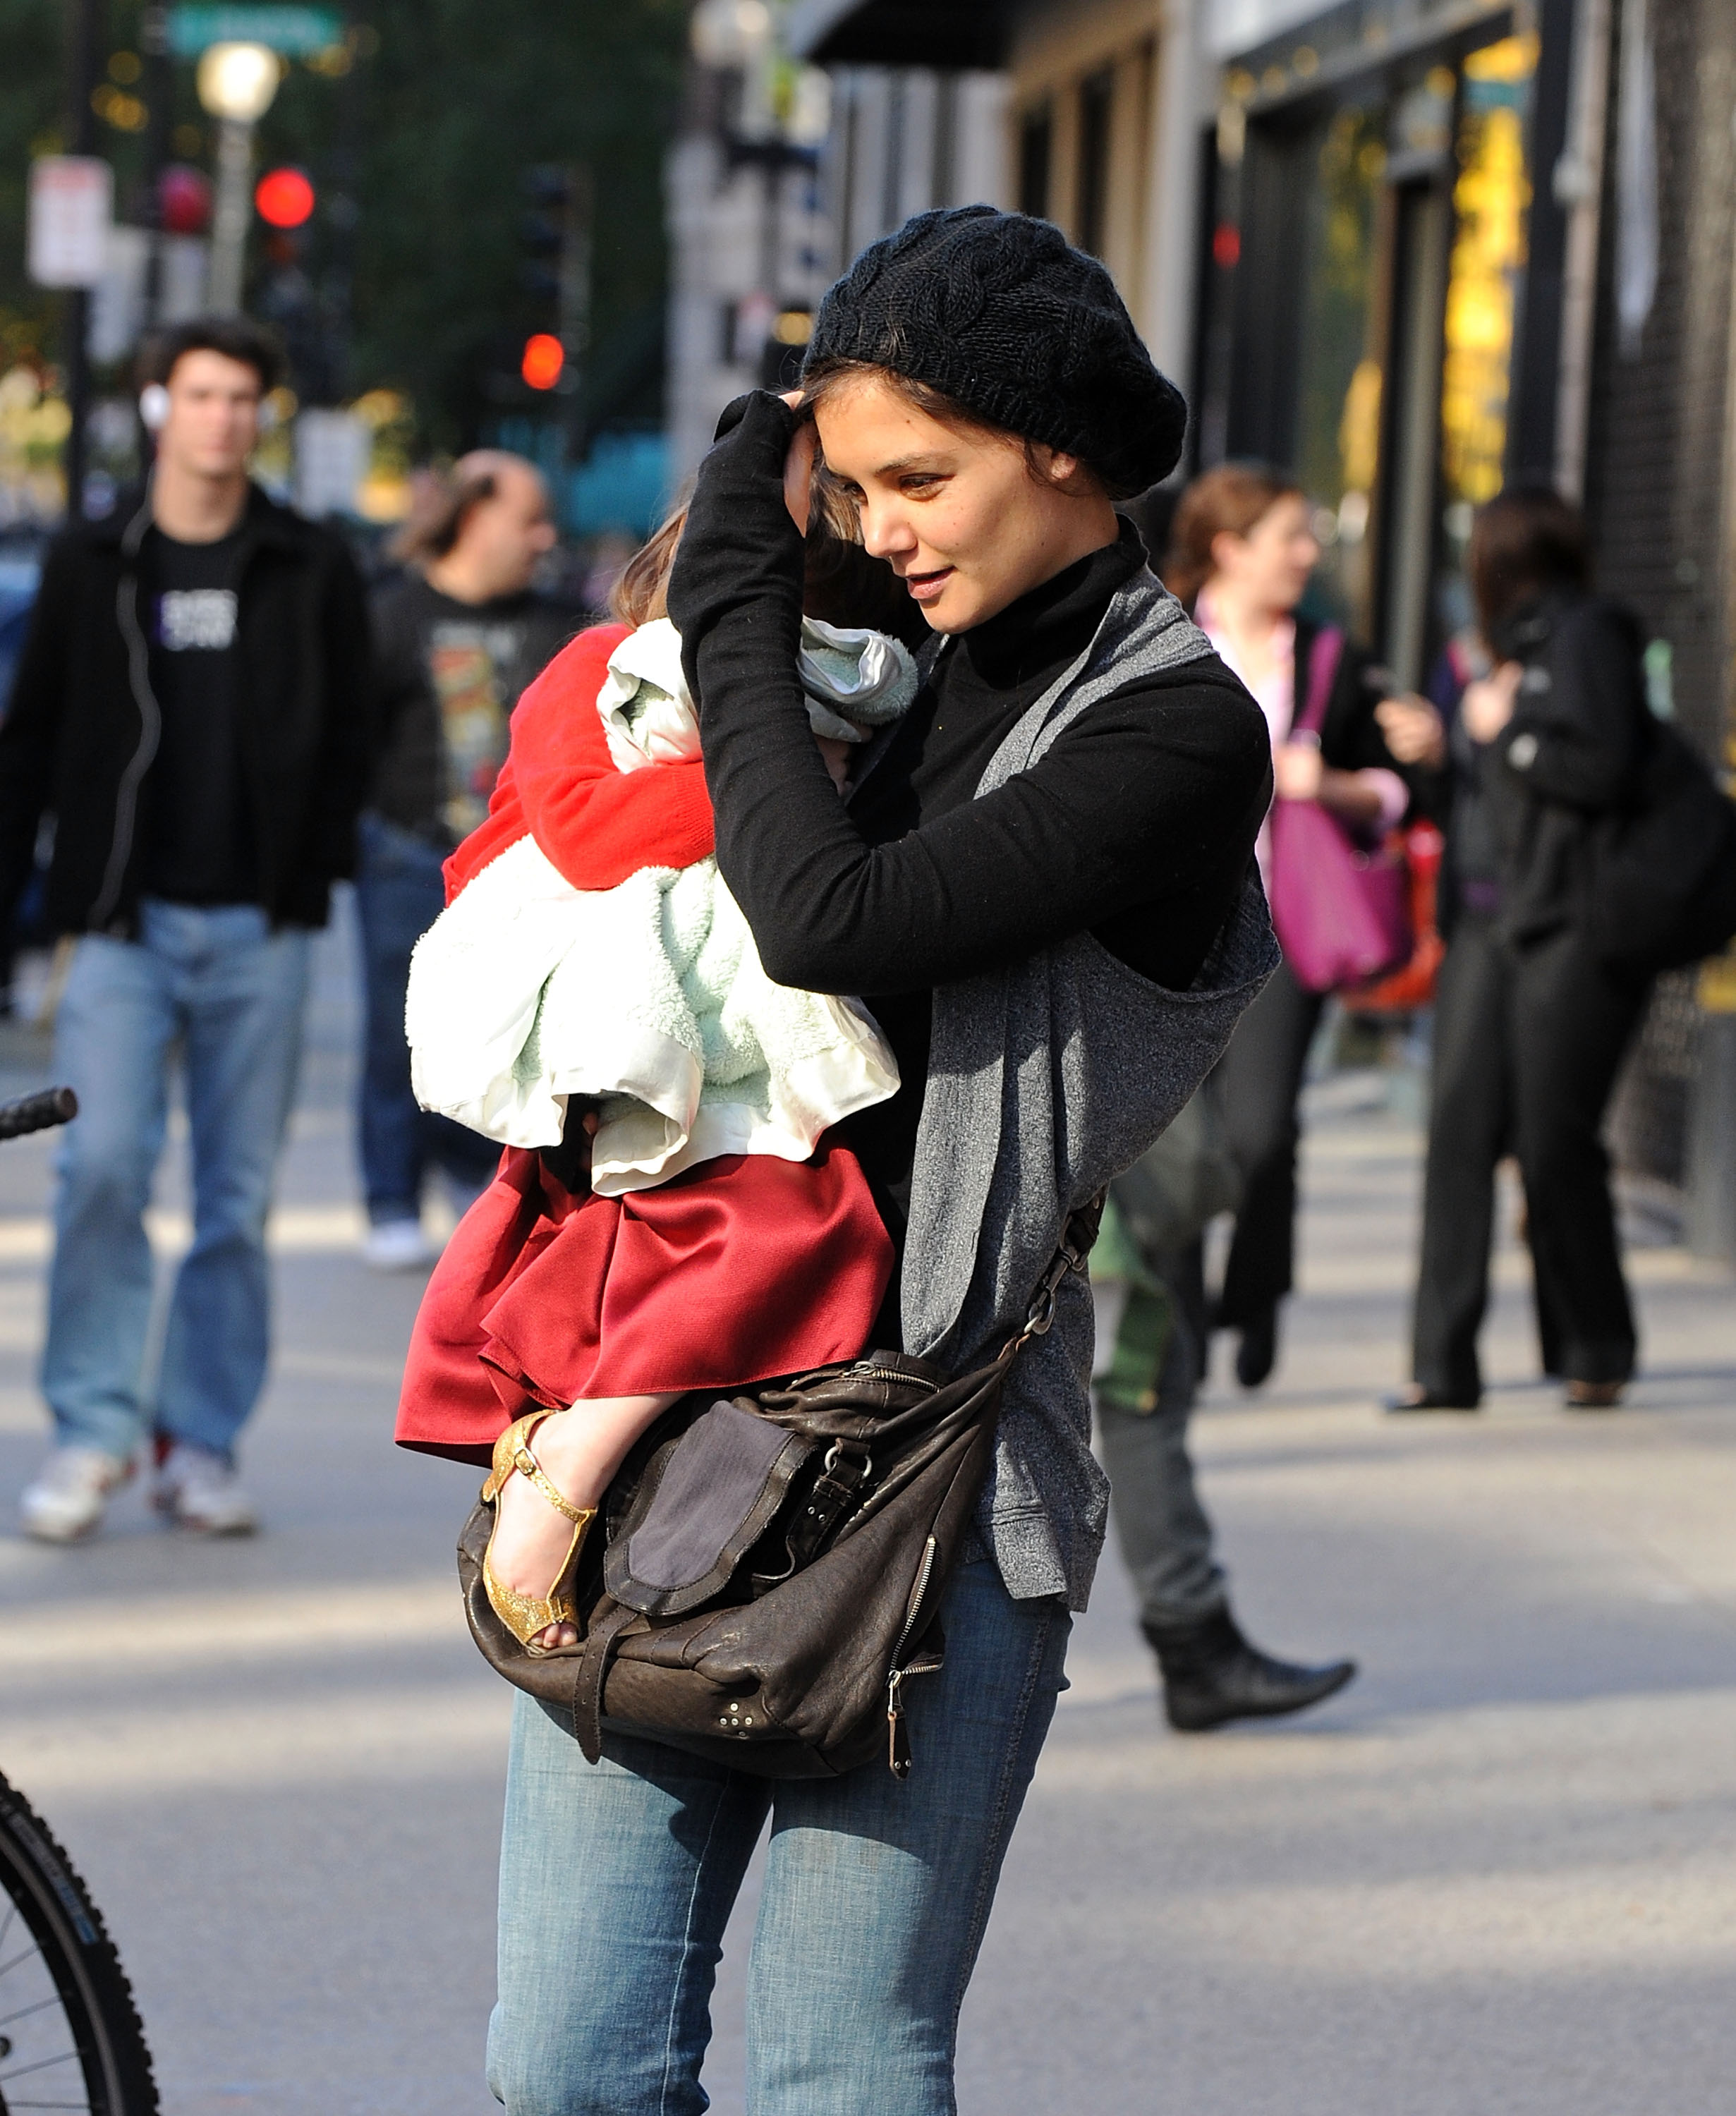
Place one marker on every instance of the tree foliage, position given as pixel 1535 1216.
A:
pixel 31 99
pixel 431 131
pixel 463 96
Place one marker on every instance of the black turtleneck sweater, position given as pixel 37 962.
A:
pixel 1137 825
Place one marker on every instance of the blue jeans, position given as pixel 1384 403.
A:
pixel 616 1883
pixel 399 894
pixel 233 992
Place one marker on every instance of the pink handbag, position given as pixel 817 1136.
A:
pixel 1339 903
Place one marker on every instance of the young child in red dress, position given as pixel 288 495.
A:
pixel 670 1213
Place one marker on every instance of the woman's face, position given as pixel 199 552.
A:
pixel 1268 568
pixel 962 517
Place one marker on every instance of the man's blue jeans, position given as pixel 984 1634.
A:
pixel 400 891
pixel 232 992
pixel 616 1883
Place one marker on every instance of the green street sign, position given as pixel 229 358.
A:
pixel 296 32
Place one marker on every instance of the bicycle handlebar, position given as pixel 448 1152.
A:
pixel 53 1106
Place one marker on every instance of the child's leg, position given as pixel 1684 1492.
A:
pixel 579 1450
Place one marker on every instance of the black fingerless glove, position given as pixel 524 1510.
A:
pixel 739 562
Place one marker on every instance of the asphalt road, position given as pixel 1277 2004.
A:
pixel 1497 1874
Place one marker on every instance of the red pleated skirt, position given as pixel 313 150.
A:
pixel 745 1267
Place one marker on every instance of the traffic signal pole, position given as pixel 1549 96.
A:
pixel 84 58
pixel 160 90
pixel 556 238
pixel 575 301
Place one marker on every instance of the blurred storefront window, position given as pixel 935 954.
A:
pixel 1491 195
pixel 1368 249
pixel 1338 447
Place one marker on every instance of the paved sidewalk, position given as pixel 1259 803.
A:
pixel 1497 1874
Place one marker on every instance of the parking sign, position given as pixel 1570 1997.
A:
pixel 72 211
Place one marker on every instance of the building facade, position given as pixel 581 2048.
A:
pixel 751 248
pixel 1412 251
pixel 780 174
pixel 904 139
pixel 1661 492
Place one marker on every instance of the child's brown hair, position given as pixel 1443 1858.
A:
pixel 641 595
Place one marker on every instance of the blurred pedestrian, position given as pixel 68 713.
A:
pixel 458 636
pixel 1241 554
pixel 1149 1374
pixel 1530 1022
pixel 192 709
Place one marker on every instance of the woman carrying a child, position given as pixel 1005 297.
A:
pixel 897 1008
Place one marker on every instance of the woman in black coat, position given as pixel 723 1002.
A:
pixel 1241 551
pixel 1531 1024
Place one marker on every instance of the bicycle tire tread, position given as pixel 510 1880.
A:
pixel 66 1907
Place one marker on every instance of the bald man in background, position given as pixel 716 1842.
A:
pixel 458 635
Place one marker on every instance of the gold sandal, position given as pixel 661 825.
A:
pixel 523 1615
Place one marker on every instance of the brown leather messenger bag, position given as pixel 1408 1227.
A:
pixel 771 1564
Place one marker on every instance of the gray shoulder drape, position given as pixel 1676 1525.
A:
pixel 1045 1078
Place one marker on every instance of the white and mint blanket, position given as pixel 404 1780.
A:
pixel 651 995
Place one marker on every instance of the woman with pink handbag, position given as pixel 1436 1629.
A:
pixel 1241 551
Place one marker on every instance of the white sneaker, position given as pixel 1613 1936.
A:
pixel 197 1490
pixel 67 1499
pixel 397 1245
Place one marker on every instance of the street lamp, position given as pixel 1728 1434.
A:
pixel 237 83
pixel 728 33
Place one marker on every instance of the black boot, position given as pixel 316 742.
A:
pixel 1212 1674
pixel 1257 1353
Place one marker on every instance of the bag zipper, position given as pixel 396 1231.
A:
pixel 898 1737
pixel 890 1374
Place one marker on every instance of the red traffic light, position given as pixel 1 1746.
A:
pixel 545 360
pixel 285 198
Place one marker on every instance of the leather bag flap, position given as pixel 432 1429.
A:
pixel 729 1474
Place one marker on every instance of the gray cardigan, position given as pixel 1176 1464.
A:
pixel 1045 1078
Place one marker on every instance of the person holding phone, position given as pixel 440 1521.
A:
pixel 1531 1022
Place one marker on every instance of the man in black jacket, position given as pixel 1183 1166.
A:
pixel 191 707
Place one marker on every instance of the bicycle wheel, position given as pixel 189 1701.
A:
pixel 69 2034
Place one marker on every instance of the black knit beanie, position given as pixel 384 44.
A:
pixel 1000 313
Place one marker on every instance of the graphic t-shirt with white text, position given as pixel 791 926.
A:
pixel 199 843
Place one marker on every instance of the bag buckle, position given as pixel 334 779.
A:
pixel 864 1469
pixel 1041 1316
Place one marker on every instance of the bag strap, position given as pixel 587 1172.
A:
pixel 595 1656
pixel 1078 1238
pixel 1324 657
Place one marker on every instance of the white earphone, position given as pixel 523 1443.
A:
pixel 153 410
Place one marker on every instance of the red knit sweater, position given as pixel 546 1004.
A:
pixel 594 823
